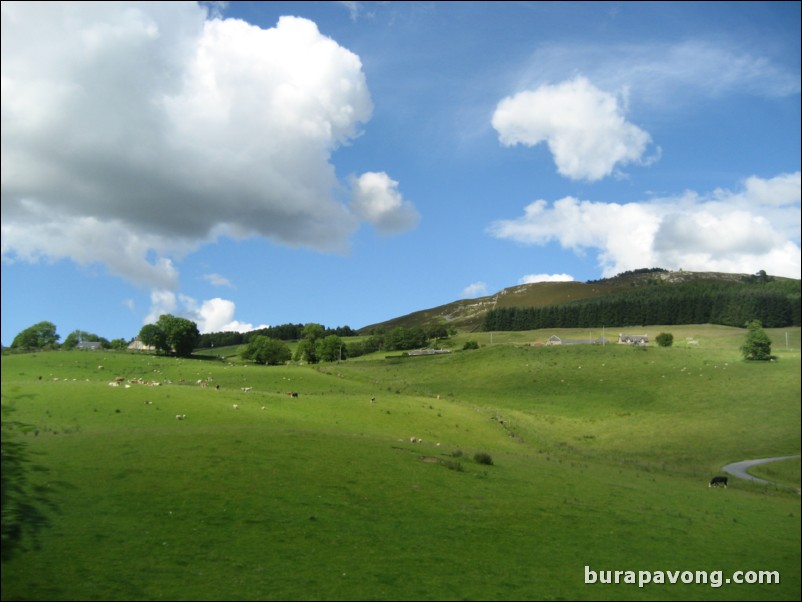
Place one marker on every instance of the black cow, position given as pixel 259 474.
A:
pixel 716 481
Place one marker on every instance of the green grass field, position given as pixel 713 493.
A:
pixel 601 458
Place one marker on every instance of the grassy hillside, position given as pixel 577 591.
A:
pixel 601 457
pixel 469 314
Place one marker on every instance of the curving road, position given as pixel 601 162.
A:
pixel 738 469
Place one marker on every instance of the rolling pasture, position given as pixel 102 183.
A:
pixel 601 458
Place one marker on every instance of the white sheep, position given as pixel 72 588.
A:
pixel 236 406
pixel 180 416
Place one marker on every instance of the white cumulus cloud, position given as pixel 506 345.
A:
pixel 375 198
pixel 743 231
pixel 585 128
pixel 534 278
pixel 211 315
pixel 217 315
pixel 133 133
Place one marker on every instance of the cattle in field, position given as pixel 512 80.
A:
pixel 716 481
pixel 293 394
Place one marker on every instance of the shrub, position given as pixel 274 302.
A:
pixel 665 339
pixel 453 465
pixel 483 458
pixel 470 345
pixel 757 344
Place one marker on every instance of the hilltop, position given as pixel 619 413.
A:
pixel 470 314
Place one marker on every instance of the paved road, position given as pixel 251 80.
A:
pixel 738 469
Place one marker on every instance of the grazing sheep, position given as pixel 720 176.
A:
pixel 236 406
pixel 246 389
pixel 180 416
pixel 413 439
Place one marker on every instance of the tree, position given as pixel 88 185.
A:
pixel 181 334
pixel 665 339
pixel 153 336
pixel 329 349
pixel 77 336
pixel 171 334
pixel 307 348
pixel 757 344
pixel 265 350
pixel 20 501
pixel 39 336
pixel 118 344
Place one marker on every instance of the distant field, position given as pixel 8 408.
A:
pixel 601 457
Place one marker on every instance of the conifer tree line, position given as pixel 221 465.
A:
pixel 775 304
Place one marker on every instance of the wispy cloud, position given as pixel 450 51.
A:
pixel 217 280
pixel 654 73
pixel 476 289
pixel 743 231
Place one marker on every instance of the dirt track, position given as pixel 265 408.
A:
pixel 739 469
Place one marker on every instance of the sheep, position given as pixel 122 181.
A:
pixel 246 389
pixel 236 406
pixel 180 416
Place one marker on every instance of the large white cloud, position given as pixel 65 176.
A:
pixel 584 128
pixel 132 133
pixel 754 228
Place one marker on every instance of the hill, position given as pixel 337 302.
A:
pixel 470 314
pixel 366 486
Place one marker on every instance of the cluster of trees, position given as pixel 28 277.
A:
pixel 283 332
pixel 316 345
pixel 319 344
pixel 43 336
pixel 774 303
pixel 634 273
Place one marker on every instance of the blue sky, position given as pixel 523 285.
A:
pixel 245 164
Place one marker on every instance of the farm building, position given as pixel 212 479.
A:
pixel 633 339
pixel 137 345
pixel 89 345
pixel 555 340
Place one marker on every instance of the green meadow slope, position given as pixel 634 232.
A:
pixel 601 458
